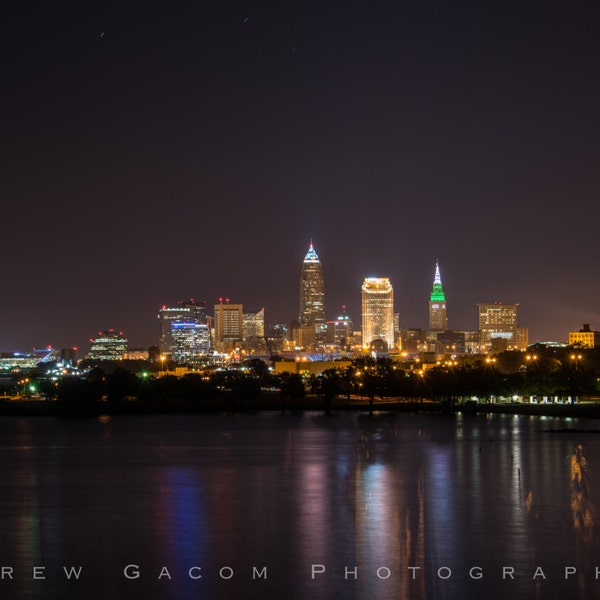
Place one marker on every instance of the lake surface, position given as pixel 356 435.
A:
pixel 300 506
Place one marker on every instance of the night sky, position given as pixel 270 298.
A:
pixel 156 151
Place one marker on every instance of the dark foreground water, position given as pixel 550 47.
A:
pixel 299 506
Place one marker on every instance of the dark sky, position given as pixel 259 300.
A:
pixel 153 151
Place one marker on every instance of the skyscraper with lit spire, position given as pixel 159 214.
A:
pixel 438 321
pixel 312 291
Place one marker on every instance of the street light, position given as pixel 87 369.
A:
pixel 531 359
pixel 576 358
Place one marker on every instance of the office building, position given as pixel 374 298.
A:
pixel 136 354
pixel 189 341
pixel 228 320
pixel 253 324
pixel 189 311
pixel 438 321
pixel 498 328
pixel 276 339
pixel 312 292
pixel 450 342
pixel 377 312
pixel 585 337
pixel 413 341
pixel 253 332
pixel 339 331
pixel 109 345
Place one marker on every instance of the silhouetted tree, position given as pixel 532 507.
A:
pixel 78 397
pixel 121 385
pixel 258 368
pixel 329 386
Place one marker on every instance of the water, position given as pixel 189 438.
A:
pixel 299 506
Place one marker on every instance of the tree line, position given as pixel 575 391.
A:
pixel 565 373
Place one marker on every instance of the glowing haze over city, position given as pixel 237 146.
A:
pixel 156 152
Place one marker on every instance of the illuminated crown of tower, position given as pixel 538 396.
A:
pixel 437 293
pixel 311 255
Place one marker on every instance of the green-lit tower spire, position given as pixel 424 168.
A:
pixel 438 321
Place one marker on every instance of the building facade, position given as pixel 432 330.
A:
pixel 438 320
pixel 186 312
pixel 377 311
pixel 413 341
pixel 585 337
pixel 312 292
pixel 450 342
pixel 253 325
pixel 190 340
pixel 339 331
pixel 498 327
pixel 109 345
pixel 229 324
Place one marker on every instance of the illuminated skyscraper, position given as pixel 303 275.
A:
pixel 312 291
pixel 228 322
pixel 438 321
pixel 184 329
pixel 377 311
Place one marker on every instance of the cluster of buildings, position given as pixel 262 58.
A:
pixel 191 334
pixel 380 325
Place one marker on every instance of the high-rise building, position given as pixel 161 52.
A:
pixel 498 327
pixel 438 320
pixel 109 345
pixel 253 332
pixel 377 311
pixel 190 340
pixel 187 312
pixel 228 322
pixel 312 292
pixel 254 324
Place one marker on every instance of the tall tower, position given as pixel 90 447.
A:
pixel 377 311
pixel 312 291
pixel 438 320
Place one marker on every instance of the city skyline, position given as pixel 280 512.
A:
pixel 153 154
pixel 308 281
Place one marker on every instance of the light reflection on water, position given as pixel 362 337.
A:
pixel 368 502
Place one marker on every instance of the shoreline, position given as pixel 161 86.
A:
pixel 52 408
